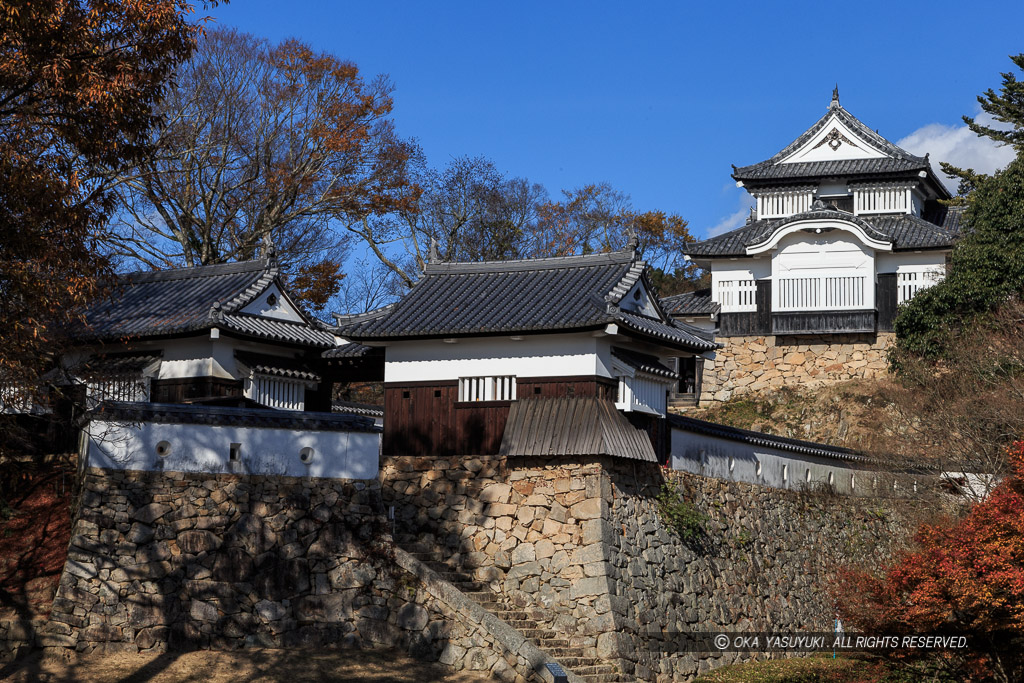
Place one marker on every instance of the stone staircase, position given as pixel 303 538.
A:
pixel 573 656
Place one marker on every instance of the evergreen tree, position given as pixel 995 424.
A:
pixel 988 263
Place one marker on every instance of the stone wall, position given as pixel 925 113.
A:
pixel 582 547
pixel 747 365
pixel 174 560
pixel 530 530
pixel 764 563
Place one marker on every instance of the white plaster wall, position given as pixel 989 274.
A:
pixel 723 270
pixel 833 254
pixel 205 448
pixel 735 461
pixel 533 356
pixel 908 261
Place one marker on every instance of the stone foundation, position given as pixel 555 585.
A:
pixel 186 561
pixel 582 547
pixel 749 365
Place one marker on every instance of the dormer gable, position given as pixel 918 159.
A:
pixel 834 141
pixel 274 303
pixel 639 300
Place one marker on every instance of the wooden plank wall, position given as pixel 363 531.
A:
pixel 885 301
pixel 426 418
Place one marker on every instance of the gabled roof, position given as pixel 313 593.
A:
pixel 572 427
pixel 895 161
pixel 903 231
pixel 698 302
pixel 525 296
pixel 182 300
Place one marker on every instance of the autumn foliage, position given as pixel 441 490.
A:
pixel 963 578
pixel 78 79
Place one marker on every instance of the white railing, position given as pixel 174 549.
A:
pixel 908 284
pixel 642 394
pixel 882 199
pixel 779 204
pixel 821 293
pixel 501 388
pixel 277 392
pixel 737 296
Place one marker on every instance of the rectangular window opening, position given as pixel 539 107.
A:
pixel 487 388
pixel 235 453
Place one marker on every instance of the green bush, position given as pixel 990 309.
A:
pixel 679 516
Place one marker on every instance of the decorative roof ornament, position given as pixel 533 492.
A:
pixel 835 97
pixel 633 241
pixel 269 250
pixel 433 256
pixel 215 312
pixel 752 216
pixel 819 205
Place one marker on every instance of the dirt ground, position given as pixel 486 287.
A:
pixel 293 666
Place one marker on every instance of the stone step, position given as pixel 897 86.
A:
pixel 520 623
pixel 541 633
pixel 607 678
pixel 580 663
pixel 545 643
pixel 594 670
pixel 563 653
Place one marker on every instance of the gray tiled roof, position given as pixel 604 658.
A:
pixel 510 297
pixel 905 231
pixel 185 300
pixel 276 365
pixel 690 303
pixel 690 424
pixel 222 416
pixel 896 161
pixel 350 350
pixel 353 408
pixel 643 362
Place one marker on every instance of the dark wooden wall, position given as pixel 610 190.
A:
pixel 426 418
pixel 188 389
pixel 885 301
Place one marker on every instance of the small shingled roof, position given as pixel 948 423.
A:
pixel 904 231
pixel 182 300
pixel 579 426
pixel 526 296
pixel 698 302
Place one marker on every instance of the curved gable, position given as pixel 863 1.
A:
pixel 834 220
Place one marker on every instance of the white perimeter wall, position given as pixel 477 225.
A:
pixel 711 456
pixel 206 448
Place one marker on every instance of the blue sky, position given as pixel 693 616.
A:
pixel 659 98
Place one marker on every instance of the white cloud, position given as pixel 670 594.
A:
pixel 959 146
pixel 734 220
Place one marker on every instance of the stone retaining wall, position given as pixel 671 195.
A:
pixel 528 529
pixel 173 560
pixel 582 543
pixel 764 563
pixel 748 365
